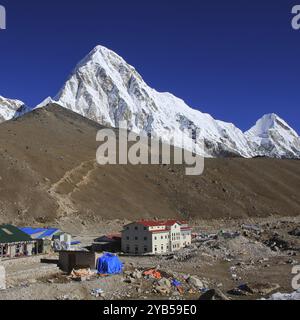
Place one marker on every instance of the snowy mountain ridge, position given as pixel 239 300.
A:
pixel 11 108
pixel 105 88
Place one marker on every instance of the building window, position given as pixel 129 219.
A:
pixel 127 249
pixel 162 237
pixel 155 238
pixel 136 238
pixel 127 238
pixel 145 238
pixel 18 248
pixel 145 249
pixel 136 249
pixel 135 228
pixel 155 248
pixel 5 250
pixel 145 228
pixel 162 247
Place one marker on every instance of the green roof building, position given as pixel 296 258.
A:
pixel 15 243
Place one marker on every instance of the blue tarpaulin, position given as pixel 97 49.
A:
pixel 109 264
pixel 176 283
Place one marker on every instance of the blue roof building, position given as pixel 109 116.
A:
pixel 40 233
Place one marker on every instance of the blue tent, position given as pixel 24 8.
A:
pixel 109 264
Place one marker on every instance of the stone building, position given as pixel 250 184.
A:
pixel 69 260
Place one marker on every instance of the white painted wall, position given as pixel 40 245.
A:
pixel 2 278
pixel 137 239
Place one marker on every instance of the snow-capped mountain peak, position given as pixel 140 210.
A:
pixel 105 88
pixel 11 108
pixel 273 135
pixel 270 122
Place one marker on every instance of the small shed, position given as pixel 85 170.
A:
pixel 69 260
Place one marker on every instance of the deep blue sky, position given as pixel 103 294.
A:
pixel 235 59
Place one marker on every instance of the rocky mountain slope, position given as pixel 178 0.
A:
pixel 48 174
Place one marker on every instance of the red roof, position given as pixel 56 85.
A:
pixel 156 223
pixel 158 231
pixel 185 228
pixel 113 236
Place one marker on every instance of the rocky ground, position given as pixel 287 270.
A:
pixel 229 259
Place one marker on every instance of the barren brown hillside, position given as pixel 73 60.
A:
pixel 48 172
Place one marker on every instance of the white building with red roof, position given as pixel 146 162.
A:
pixel 155 237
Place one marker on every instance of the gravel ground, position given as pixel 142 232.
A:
pixel 236 256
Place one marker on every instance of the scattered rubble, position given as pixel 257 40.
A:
pixel 224 262
pixel 97 293
pixel 254 288
pixel 285 296
pixel 81 274
pixel 295 232
pixel 276 243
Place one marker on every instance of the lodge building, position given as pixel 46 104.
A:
pixel 155 237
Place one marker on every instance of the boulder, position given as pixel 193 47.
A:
pixel 213 294
pixel 195 282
